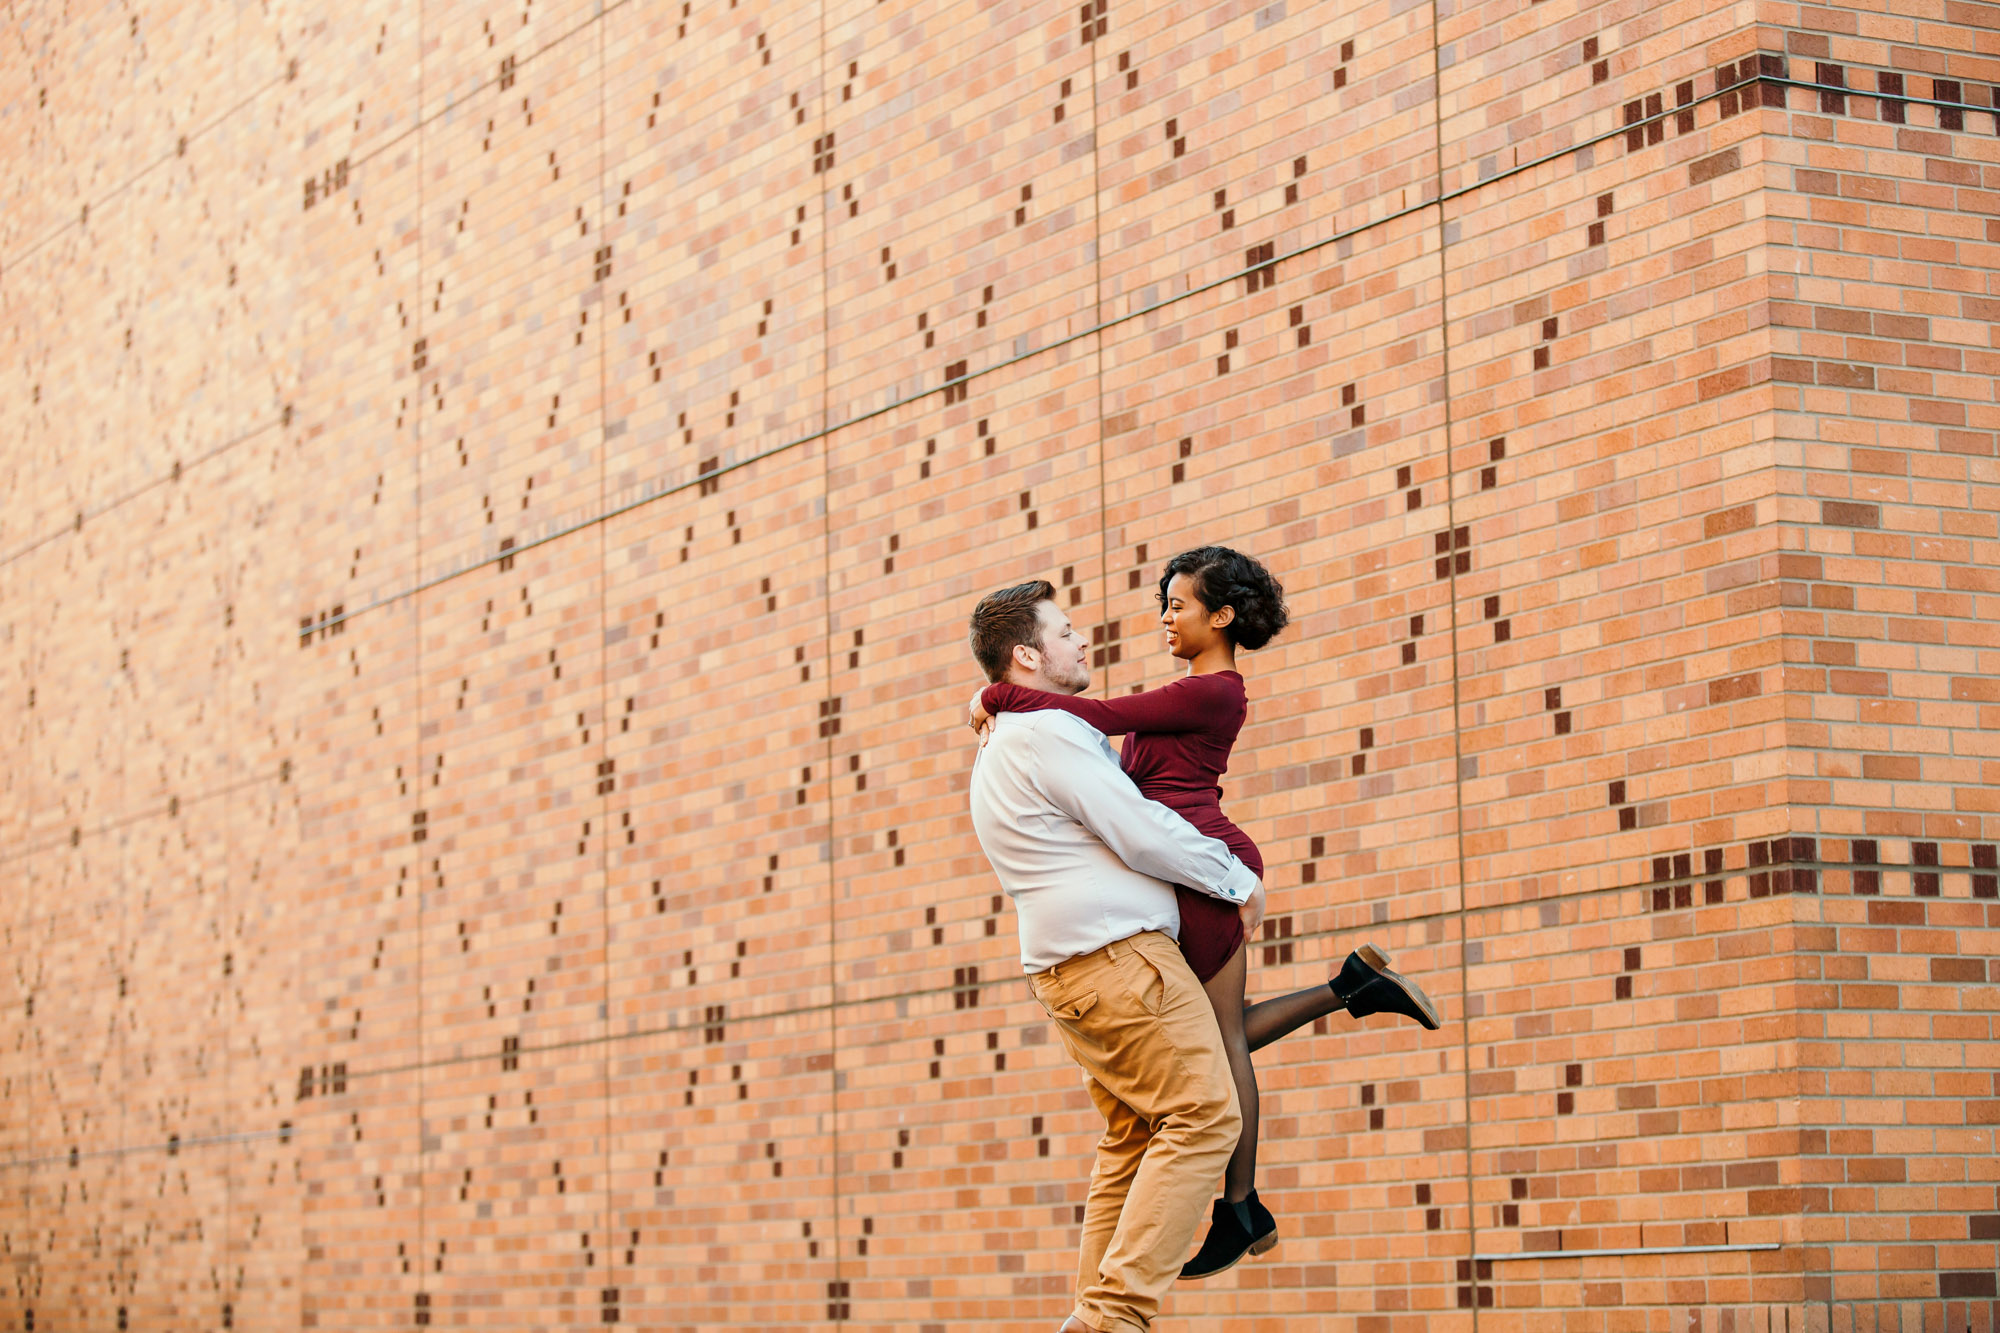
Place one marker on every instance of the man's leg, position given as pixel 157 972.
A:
pixel 1119 1153
pixel 1070 993
pixel 1149 1041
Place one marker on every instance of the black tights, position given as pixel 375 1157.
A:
pixel 1247 1028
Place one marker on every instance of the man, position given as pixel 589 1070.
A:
pixel 1090 865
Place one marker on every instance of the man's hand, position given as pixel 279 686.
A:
pixel 1252 913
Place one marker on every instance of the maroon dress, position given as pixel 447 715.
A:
pixel 1180 738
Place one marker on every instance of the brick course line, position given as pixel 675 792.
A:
pixel 675 488
pixel 997 983
pixel 284 1134
pixel 84 516
pixel 1478 909
pixel 370 155
pixel 1633 1250
pixel 520 63
pixel 378 150
pixel 147 170
pixel 139 817
pixel 1878 96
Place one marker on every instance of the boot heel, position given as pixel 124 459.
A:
pixel 1266 1245
pixel 1366 985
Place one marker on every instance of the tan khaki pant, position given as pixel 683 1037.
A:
pixel 1137 1022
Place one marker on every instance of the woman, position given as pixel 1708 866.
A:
pixel 1213 602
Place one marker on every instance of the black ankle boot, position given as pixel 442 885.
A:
pixel 1235 1230
pixel 1367 986
pixel 1261 1221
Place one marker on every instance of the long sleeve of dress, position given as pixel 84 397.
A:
pixel 1080 778
pixel 1192 703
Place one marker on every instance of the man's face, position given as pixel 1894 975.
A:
pixel 1062 666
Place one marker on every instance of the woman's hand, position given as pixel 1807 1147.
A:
pixel 1252 913
pixel 976 715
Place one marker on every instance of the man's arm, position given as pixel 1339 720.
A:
pixel 1080 778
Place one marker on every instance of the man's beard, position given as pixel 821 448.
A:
pixel 1077 683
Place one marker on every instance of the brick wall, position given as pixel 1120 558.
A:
pixel 494 489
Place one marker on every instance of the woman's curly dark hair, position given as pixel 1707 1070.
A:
pixel 1223 577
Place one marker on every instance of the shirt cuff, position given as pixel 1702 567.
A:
pixel 1239 884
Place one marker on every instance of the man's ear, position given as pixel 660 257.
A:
pixel 1027 658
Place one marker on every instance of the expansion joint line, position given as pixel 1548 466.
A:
pixel 832 858
pixel 285 1133
pixel 1451 614
pixel 180 150
pixel 1097 312
pixel 180 468
pixel 172 808
pixel 604 697
pixel 417 655
pixel 999 985
pixel 664 489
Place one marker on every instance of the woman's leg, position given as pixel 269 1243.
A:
pixel 1370 986
pixel 1225 996
pixel 1268 1020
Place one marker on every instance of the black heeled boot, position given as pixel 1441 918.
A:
pixel 1367 986
pixel 1235 1230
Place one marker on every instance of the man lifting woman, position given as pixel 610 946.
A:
pixel 1136 896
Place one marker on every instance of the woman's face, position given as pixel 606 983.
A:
pixel 1192 629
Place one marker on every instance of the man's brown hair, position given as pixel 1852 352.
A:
pixel 1006 618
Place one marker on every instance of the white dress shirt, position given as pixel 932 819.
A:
pixel 1086 858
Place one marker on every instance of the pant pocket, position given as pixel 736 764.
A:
pixel 1076 1008
pixel 1145 981
pixel 1065 1008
